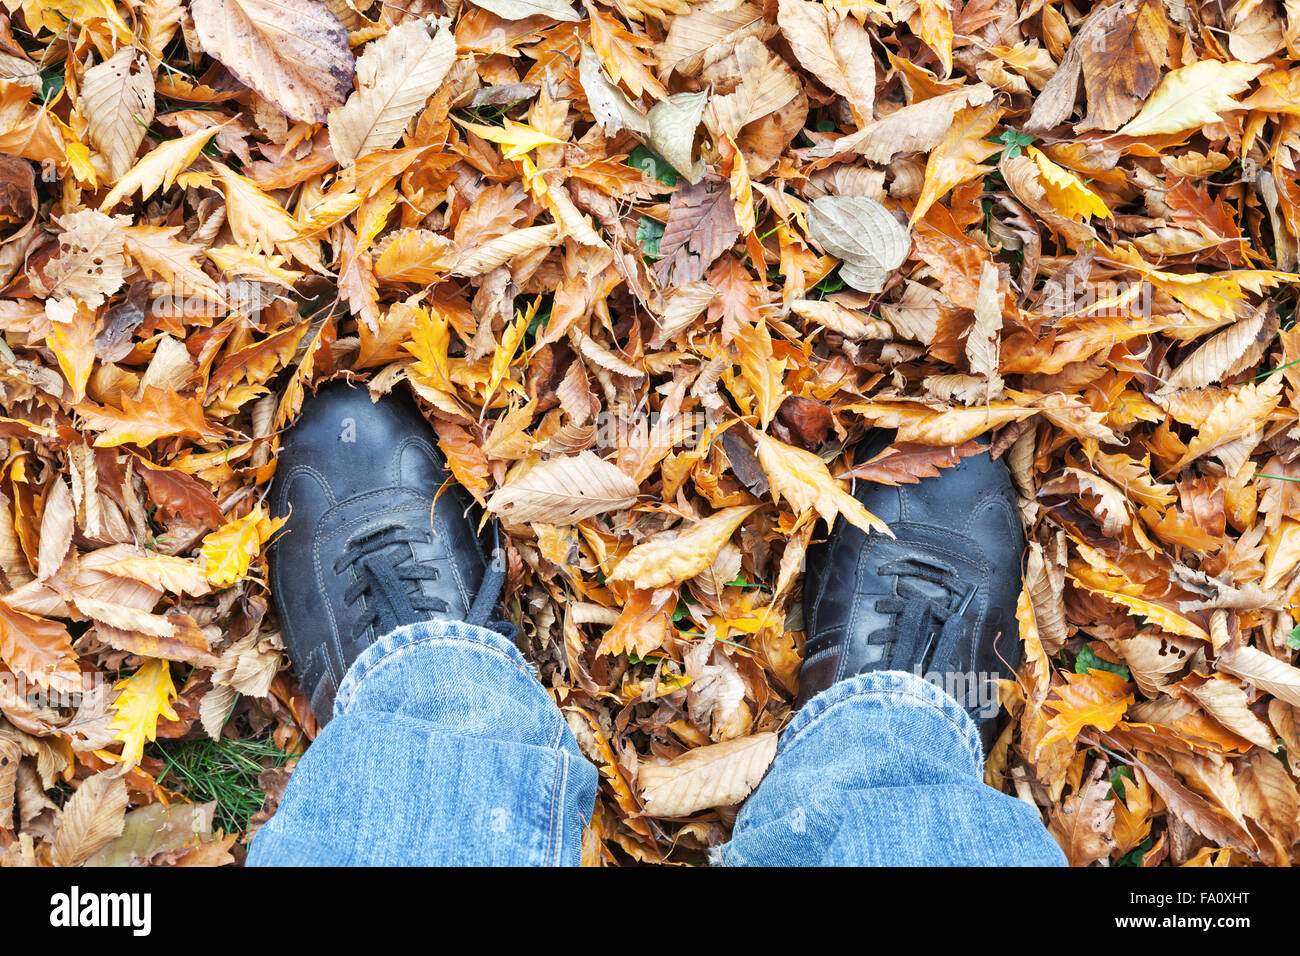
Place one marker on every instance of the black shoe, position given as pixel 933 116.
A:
pixel 366 549
pixel 938 601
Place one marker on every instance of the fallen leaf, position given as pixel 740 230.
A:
pixel 143 698
pixel 671 558
pixel 564 490
pixel 718 775
pixel 295 56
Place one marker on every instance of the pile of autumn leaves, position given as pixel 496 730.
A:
pixel 653 268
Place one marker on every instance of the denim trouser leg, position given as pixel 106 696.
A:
pixel 444 750
pixel 884 769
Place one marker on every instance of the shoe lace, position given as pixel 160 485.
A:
pixel 925 614
pixel 388 578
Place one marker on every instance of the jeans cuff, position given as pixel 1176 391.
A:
pixel 889 688
pixel 404 639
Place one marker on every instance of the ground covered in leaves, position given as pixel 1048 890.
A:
pixel 653 268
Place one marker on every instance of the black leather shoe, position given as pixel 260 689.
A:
pixel 938 601
pixel 366 549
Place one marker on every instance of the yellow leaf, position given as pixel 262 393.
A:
pixel 430 343
pixel 1282 553
pixel 1086 700
pixel 82 11
pixel 935 28
pixel 72 339
pixel 1067 195
pixel 674 557
pixel 1163 617
pixel 510 339
pixel 143 697
pixel 1216 295
pixel 160 167
pixel 415 255
pixel 259 222
pixel 78 154
pixel 928 426
pixel 236 260
pixel 760 369
pixel 1192 96
pixel 959 157
pixel 803 480
pixel 228 551
pixel 516 139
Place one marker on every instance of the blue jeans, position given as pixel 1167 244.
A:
pixel 444 749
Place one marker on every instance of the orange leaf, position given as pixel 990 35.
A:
pixel 1086 700
pixel 39 648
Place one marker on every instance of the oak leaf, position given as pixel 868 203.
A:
pixel 158 414
pixel 1096 699
pixel 229 551
pixel 803 480
pixel 701 226
pixel 143 699
pixel 1084 824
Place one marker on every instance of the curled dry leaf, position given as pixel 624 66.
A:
pixel 1267 673
pixel 143 699
pixel 672 124
pixel 1084 824
pixel 610 105
pixel 674 557
pixel 835 48
pixel 802 479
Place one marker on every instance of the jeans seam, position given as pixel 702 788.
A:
pixel 371 666
pixel 937 708
pixel 552 849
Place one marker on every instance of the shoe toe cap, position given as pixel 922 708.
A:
pixel 359 445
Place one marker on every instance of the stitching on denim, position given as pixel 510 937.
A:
pixel 940 708
pixel 551 834
pixel 358 677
